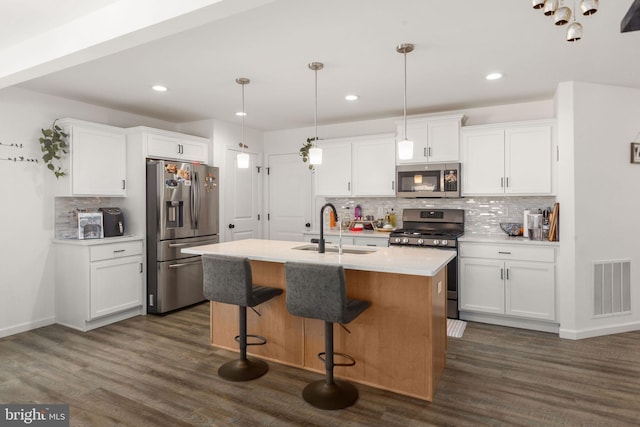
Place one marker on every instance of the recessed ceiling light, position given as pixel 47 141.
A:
pixel 351 97
pixel 159 88
pixel 241 113
pixel 493 76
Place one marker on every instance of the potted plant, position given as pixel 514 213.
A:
pixel 304 151
pixel 53 144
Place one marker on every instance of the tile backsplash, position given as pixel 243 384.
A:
pixel 483 215
pixel 67 208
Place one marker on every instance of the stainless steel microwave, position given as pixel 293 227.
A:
pixel 428 180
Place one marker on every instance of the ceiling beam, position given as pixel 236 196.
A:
pixel 631 21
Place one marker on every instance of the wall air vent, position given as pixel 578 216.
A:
pixel 611 287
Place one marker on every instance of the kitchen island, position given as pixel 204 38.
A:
pixel 399 342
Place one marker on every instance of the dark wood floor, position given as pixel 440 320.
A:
pixel 160 371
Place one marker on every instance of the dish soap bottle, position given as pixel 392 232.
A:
pixel 392 218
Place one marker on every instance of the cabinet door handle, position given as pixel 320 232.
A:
pixel 502 274
pixel 393 185
pixel 507 181
pixel 429 151
pixel 507 274
pixel 115 251
pixel 124 184
pixel 424 152
pixel 178 265
pixel 502 182
pixel 178 147
pixel 504 252
pixel 349 186
pixel 140 267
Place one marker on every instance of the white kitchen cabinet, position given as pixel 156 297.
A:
pixel 333 176
pixel 507 159
pixel 507 279
pixel 359 166
pixel 97 159
pixel 98 282
pixel 349 239
pixel 435 139
pixel 161 146
pixel 371 241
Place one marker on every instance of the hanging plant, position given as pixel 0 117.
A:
pixel 53 144
pixel 304 152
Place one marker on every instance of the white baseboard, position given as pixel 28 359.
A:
pixel 514 322
pixel 599 331
pixel 27 326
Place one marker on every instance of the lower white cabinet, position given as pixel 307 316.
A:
pixel 507 279
pixel 98 282
pixel 333 239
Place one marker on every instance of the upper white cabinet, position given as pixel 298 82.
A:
pixel 97 159
pixel 159 144
pixel 514 159
pixel 435 139
pixel 358 166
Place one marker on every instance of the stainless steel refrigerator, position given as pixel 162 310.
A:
pixel 182 211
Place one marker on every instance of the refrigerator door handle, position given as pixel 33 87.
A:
pixel 192 200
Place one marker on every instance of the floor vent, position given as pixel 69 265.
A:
pixel 611 287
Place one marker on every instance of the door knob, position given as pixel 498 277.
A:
pixel 232 226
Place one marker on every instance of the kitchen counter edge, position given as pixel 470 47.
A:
pixel 506 239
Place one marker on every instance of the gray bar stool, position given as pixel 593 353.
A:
pixel 228 280
pixel 318 292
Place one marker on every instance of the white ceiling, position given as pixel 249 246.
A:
pixel 457 43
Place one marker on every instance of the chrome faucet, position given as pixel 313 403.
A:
pixel 335 214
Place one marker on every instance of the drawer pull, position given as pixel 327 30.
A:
pixel 177 245
pixel 182 265
pixel 504 252
pixel 115 251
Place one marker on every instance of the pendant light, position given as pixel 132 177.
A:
pixel 243 157
pixel 315 153
pixel 405 147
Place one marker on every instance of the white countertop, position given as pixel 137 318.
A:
pixel 90 242
pixel 505 239
pixel 394 259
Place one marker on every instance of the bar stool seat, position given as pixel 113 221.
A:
pixel 228 279
pixel 319 292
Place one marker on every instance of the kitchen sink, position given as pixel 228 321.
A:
pixel 335 249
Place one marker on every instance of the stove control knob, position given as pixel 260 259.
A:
pixel 445 242
pixel 420 241
pixel 436 242
pixel 405 240
pixel 397 240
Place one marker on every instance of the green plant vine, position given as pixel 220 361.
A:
pixel 304 151
pixel 54 147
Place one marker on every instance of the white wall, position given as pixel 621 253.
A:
pixel 27 216
pixel 599 200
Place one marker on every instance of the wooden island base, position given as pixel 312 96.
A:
pixel 399 342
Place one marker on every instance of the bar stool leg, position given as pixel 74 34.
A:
pixel 243 369
pixel 330 393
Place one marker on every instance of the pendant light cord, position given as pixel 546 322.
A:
pixel 405 95
pixel 243 114
pixel 315 120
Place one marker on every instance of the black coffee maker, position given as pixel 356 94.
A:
pixel 112 222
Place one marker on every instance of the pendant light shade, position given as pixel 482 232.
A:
pixel 405 147
pixel 574 32
pixel 537 4
pixel 243 158
pixel 589 7
pixel 550 7
pixel 562 16
pixel 315 153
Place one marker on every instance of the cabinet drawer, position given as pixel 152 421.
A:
pixel 507 252
pixel 115 250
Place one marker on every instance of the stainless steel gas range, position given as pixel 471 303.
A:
pixel 436 229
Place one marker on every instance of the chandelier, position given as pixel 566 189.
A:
pixel 562 14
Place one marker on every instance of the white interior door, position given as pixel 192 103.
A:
pixel 289 205
pixel 242 203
